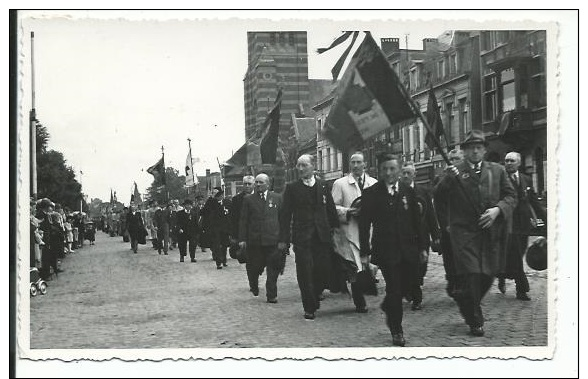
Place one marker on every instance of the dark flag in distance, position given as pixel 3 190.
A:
pixel 111 197
pixel 434 120
pixel 158 171
pixel 369 99
pixel 268 146
pixel 136 197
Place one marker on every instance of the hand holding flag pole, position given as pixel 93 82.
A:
pixel 433 136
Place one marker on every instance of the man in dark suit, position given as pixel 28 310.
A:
pixel 307 217
pixel 480 199
pixel 134 225
pixel 259 229
pixel 187 228
pixel 235 211
pixel 390 207
pixel 215 220
pixel 161 219
pixel 429 229
pixel 523 222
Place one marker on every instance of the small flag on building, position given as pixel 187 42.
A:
pixel 268 146
pixel 158 171
pixel 369 99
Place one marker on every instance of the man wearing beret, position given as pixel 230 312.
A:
pixel 480 199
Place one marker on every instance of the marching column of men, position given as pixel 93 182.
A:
pixel 478 217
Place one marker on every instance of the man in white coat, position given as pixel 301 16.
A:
pixel 345 191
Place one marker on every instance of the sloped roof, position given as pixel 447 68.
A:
pixel 319 89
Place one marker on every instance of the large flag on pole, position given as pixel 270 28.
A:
pixel 158 171
pixel 369 99
pixel 268 145
pixel 434 120
pixel 191 179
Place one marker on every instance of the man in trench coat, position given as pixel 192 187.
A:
pixel 480 210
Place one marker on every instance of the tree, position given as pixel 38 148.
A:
pixel 55 180
pixel 42 139
pixel 174 188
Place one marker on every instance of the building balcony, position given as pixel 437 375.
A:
pixel 518 121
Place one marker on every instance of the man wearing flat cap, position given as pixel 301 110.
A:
pixel 480 199
pixel 187 228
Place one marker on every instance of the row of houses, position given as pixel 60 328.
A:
pixel 489 80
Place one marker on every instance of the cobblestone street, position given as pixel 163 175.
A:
pixel 108 297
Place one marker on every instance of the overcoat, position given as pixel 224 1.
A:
pixel 345 191
pixel 477 250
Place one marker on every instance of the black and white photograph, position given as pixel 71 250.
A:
pixel 287 185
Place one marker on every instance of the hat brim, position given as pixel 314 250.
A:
pixel 466 143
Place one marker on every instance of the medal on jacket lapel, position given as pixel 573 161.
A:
pixel 405 202
pixel 324 199
pixel 270 203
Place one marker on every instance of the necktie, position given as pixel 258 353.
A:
pixel 360 183
pixel 262 196
pixel 515 179
pixel 393 189
pixel 478 168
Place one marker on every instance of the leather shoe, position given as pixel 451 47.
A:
pixel 361 310
pixel 272 301
pixel 501 286
pixel 181 259
pixel 398 339
pixel 523 296
pixel 309 315
pixel 417 306
pixel 255 292
pixel 192 259
pixel 476 331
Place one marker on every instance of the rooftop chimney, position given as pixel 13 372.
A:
pixel 429 43
pixel 390 45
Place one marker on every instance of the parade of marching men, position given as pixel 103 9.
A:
pixel 410 184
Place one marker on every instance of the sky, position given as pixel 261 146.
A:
pixel 112 88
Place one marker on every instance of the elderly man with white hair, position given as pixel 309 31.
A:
pixel 259 231
pixel 524 221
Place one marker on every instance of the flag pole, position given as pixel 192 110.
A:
pixel 164 175
pixel 33 125
pixel 416 109
pixel 191 163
